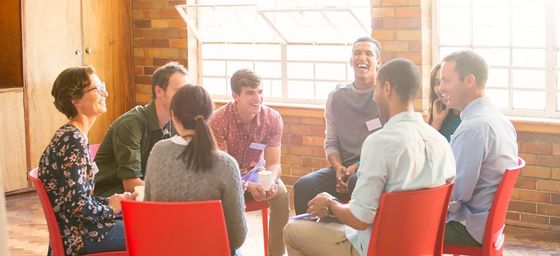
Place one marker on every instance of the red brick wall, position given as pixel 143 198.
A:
pixel 404 29
pixel 159 36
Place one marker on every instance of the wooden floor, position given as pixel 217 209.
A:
pixel 29 236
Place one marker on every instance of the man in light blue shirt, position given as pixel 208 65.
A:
pixel 484 146
pixel 413 156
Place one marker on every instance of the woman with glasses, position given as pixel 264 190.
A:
pixel 443 119
pixel 87 223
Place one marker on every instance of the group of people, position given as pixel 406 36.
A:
pixel 180 149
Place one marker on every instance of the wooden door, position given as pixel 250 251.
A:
pixel 51 37
pixel 108 47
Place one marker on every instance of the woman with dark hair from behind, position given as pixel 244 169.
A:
pixel 443 119
pixel 87 223
pixel 188 167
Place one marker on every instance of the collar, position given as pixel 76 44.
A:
pixel 180 140
pixel 473 106
pixel 361 91
pixel 404 116
pixel 237 117
pixel 153 121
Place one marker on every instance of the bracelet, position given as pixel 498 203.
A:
pixel 357 163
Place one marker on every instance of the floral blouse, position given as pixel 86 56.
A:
pixel 67 171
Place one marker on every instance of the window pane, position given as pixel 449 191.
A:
pixel 300 70
pixel 529 23
pixel 495 56
pixel 558 101
pixel 528 100
pixel 528 58
pixel 498 97
pixel 301 52
pixel 268 69
pixel 272 88
pixel 233 66
pixel 324 88
pixel 490 23
pixel 330 71
pixel 213 68
pixel 333 52
pixel 532 79
pixel 301 89
pixel 497 77
pixel 215 85
pixel 454 19
pixel 444 51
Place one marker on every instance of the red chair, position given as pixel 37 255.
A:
pixel 493 238
pixel 410 222
pixel 93 150
pixel 55 239
pixel 251 206
pixel 175 228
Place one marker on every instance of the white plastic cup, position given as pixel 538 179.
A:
pixel 265 179
pixel 140 190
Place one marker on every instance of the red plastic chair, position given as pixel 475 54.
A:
pixel 175 228
pixel 251 206
pixel 55 239
pixel 410 222
pixel 493 238
pixel 93 150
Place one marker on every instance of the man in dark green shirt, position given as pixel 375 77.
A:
pixel 124 152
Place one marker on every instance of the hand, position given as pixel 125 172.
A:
pixel 319 206
pixel 115 202
pixel 439 114
pixel 256 191
pixel 271 193
pixel 342 175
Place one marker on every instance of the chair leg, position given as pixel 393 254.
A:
pixel 265 229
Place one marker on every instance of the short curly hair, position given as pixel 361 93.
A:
pixel 69 85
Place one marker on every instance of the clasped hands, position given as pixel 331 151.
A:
pixel 115 200
pixel 258 193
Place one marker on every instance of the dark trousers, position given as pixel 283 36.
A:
pixel 457 234
pixel 312 184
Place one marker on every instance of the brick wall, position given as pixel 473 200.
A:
pixel 159 36
pixel 404 29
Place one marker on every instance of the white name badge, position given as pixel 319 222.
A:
pixel 373 124
pixel 257 146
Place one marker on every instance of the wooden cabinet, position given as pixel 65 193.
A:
pixel 62 33
pixel 40 38
pixel 12 140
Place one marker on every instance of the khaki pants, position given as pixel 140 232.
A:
pixel 279 215
pixel 304 237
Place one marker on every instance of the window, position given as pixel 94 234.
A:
pixel 518 39
pixel 301 49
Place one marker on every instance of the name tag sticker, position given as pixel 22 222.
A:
pixel 373 124
pixel 257 146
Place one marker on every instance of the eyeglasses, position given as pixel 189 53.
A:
pixel 100 88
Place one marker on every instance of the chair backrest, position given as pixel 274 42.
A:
pixel 493 234
pixel 410 222
pixel 175 228
pixel 55 240
pixel 93 150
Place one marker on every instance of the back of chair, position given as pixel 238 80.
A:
pixel 55 240
pixel 493 233
pixel 175 228
pixel 410 222
pixel 93 150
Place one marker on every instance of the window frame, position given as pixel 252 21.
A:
pixel 551 67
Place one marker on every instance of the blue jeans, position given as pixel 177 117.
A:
pixel 114 241
pixel 312 184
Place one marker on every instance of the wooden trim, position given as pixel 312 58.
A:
pixel 534 125
pixel 14 89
